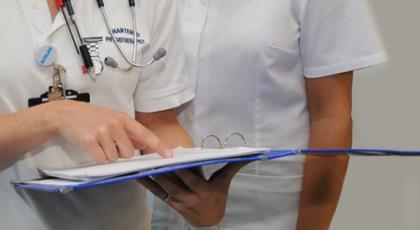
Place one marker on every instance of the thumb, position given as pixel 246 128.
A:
pixel 228 171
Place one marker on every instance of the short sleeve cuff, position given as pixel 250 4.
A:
pixel 352 65
pixel 164 101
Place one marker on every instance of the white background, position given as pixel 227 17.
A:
pixel 384 193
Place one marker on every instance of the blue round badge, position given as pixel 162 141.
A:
pixel 45 55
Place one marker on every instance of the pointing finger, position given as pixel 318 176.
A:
pixel 144 135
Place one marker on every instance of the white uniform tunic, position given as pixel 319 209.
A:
pixel 27 23
pixel 248 61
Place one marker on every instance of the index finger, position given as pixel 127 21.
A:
pixel 147 137
pixel 177 191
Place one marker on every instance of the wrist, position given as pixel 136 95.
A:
pixel 52 117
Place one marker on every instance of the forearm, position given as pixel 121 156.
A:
pixel 324 176
pixel 166 127
pixel 172 134
pixel 23 131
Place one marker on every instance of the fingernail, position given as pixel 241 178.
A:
pixel 167 153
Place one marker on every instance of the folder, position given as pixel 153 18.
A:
pixel 88 176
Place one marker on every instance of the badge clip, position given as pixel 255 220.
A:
pixel 70 95
pixel 57 91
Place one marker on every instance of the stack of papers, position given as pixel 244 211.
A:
pixel 147 162
pixel 64 180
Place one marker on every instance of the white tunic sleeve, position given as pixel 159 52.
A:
pixel 338 36
pixel 162 85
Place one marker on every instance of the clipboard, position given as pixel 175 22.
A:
pixel 65 186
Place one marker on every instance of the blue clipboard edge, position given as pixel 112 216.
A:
pixel 274 154
pixel 152 172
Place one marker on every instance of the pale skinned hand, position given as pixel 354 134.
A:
pixel 103 133
pixel 201 202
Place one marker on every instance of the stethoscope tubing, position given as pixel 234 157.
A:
pixel 120 50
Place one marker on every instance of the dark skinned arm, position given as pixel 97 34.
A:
pixel 329 100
